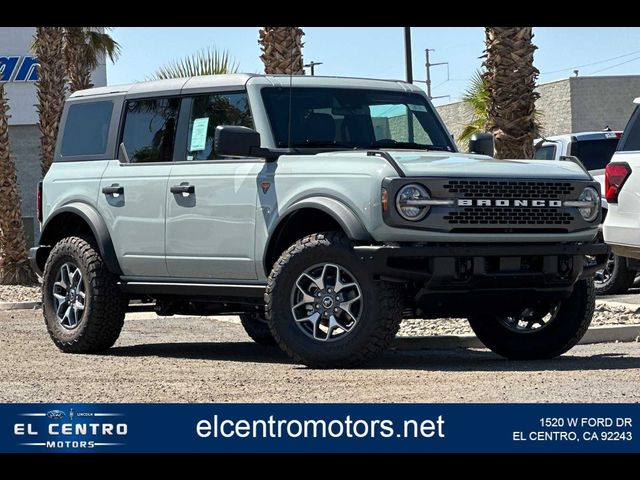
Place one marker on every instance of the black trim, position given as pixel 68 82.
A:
pixel 194 289
pixel 98 228
pixel 337 210
pixel 420 263
pixel 387 156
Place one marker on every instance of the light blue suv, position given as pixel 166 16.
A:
pixel 323 211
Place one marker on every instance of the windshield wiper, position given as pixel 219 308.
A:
pixel 323 144
pixel 418 146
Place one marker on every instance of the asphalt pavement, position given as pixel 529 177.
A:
pixel 212 360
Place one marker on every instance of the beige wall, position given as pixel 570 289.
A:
pixel 570 105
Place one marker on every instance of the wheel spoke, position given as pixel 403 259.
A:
pixel 76 279
pixel 313 318
pixel 316 281
pixel 62 309
pixel 59 298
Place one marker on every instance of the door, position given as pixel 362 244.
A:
pixel 211 202
pixel 132 195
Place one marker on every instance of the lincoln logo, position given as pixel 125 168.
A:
pixel 486 202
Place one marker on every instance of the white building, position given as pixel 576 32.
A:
pixel 18 72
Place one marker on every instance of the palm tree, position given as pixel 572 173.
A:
pixel 476 100
pixel 14 265
pixel 84 47
pixel 511 80
pixel 209 61
pixel 48 46
pixel 282 50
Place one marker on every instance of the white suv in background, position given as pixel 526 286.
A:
pixel 594 150
pixel 622 189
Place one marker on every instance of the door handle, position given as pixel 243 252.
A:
pixel 114 189
pixel 188 189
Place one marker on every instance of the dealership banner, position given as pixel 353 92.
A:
pixel 321 428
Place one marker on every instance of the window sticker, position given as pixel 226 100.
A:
pixel 417 108
pixel 199 134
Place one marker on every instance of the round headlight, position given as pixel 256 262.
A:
pixel 408 202
pixel 591 196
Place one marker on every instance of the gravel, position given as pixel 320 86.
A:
pixel 604 315
pixel 19 293
pixel 208 360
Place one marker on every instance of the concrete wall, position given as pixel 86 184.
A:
pixel 455 116
pixel 600 101
pixel 570 105
pixel 25 149
pixel 554 106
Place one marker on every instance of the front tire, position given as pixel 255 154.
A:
pixel 83 307
pixel 518 338
pixel 324 309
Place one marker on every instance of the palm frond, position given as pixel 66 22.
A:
pixel 209 61
pixel 476 99
pixel 99 42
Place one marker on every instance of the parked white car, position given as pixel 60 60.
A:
pixel 594 150
pixel 622 190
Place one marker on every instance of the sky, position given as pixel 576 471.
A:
pixel 378 52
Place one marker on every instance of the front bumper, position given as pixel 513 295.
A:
pixel 473 267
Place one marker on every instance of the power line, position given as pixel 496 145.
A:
pixel 614 66
pixel 590 64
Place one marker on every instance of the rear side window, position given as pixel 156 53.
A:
pixel 630 140
pixel 547 152
pixel 594 154
pixel 150 129
pixel 86 131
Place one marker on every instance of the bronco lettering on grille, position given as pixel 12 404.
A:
pixel 507 202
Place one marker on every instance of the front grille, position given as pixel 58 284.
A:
pixel 508 189
pixel 508 216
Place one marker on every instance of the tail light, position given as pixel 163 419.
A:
pixel 39 202
pixel 615 175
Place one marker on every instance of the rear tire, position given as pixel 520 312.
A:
pixel 325 309
pixel 556 337
pixel 257 328
pixel 616 277
pixel 83 307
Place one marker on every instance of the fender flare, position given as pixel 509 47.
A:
pixel 98 227
pixel 346 218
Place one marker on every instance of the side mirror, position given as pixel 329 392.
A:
pixel 481 143
pixel 235 141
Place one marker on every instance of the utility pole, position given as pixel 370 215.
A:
pixel 428 65
pixel 312 64
pixel 407 54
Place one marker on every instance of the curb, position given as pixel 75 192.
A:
pixel 19 305
pixel 618 333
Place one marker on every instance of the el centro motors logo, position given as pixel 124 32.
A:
pixel 60 429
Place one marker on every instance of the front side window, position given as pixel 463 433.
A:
pixel 209 111
pixel 546 152
pixel 150 129
pixel 86 130
pixel 353 118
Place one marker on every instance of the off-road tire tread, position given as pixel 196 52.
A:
pixel 389 314
pixel 108 309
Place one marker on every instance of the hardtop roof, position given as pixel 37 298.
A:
pixel 239 80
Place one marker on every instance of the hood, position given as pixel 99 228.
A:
pixel 417 164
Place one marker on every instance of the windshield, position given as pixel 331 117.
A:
pixel 353 118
